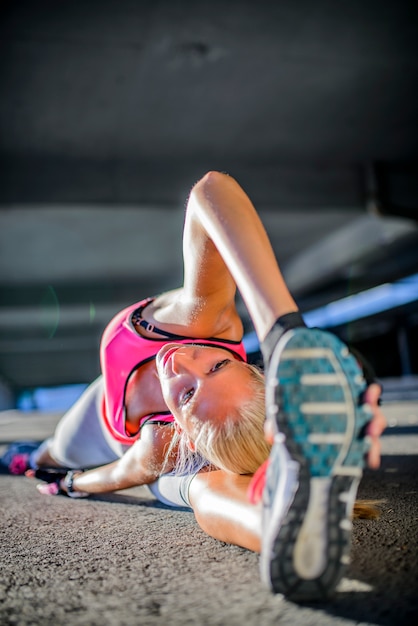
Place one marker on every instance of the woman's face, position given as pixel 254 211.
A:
pixel 201 383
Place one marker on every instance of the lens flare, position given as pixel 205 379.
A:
pixel 49 311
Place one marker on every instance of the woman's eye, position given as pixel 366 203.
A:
pixel 220 364
pixel 187 396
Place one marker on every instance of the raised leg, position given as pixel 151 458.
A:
pixel 313 393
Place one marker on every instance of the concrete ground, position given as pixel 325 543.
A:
pixel 125 560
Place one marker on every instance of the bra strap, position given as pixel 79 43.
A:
pixel 151 328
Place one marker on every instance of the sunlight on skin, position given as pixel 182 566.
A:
pixel 218 491
pixel 376 426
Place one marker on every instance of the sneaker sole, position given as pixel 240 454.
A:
pixel 315 406
pixel 17 447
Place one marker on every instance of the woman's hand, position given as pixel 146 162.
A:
pixel 49 489
pixel 63 485
pixel 376 426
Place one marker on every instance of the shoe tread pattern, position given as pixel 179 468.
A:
pixel 323 425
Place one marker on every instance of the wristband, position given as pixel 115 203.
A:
pixel 68 482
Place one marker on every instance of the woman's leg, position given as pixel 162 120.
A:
pixel 79 440
pixel 42 456
pixel 312 399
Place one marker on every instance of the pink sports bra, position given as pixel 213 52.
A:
pixel 123 350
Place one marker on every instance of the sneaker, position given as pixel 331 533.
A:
pixel 16 459
pixel 313 396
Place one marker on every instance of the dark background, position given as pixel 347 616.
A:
pixel 110 110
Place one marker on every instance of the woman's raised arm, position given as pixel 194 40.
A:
pixel 221 215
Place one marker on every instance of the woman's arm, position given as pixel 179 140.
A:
pixel 205 305
pixel 225 246
pixel 221 214
pixel 140 465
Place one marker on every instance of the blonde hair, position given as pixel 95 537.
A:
pixel 236 445
pixel 367 509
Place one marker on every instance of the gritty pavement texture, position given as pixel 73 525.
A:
pixel 126 560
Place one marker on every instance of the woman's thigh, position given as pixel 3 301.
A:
pixel 79 440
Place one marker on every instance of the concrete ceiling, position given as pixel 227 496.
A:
pixel 110 110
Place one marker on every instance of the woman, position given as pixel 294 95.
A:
pixel 175 364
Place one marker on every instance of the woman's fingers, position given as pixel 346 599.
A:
pixel 376 426
pixel 373 456
pixel 50 489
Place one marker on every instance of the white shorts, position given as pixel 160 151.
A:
pixel 81 440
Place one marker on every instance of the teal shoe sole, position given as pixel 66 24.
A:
pixel 313 395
